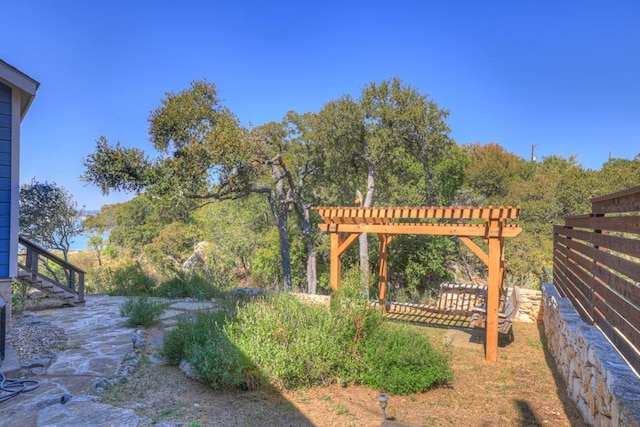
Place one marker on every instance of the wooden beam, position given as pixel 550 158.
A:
pixel 470 230
pixel 475 249
pixel 347 242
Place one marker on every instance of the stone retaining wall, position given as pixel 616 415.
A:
pixel 529 311
pixel 461 298
pixel 605 389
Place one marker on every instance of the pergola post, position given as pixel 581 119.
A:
pixel 493 291
pixel 382 273
pixel 335 264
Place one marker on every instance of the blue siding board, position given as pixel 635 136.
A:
pixel 5 91
pixel 4 222
pixel 5 147
pixel 4 234
pixel 5 121
pixel 5 159
pixel 5 172
pixel 5 108
pixel 5 185
pixel 5 133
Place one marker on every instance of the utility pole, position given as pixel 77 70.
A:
pixel 533 152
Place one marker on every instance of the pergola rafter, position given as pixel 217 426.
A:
pixel 489 223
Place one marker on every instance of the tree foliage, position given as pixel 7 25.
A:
pixel 389 145
pixel 492 170
pixel 49 216
pixel 116 168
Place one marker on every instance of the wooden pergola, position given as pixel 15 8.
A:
pixel 488 223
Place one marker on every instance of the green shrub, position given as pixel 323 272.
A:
pixel 220 363
pixel 190 333
pixel 98 280
pixel 141 311
pixel 295 345
pixel 401 361
pixel 203 342
pixel 131 281
pixel 183 286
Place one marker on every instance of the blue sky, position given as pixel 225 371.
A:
pixel 562 75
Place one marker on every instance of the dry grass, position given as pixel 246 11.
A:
pixel 521 389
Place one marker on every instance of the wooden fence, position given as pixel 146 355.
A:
pixel 596 264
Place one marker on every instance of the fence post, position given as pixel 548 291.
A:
pixel 594 264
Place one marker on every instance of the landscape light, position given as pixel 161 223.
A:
pixel 382 400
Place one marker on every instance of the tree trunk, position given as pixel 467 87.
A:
pixel 279 210
pixel 312 275
pixel 362 240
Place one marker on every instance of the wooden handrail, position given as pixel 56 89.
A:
pixel 49 255
pixel 33 255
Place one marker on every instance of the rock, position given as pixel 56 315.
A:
pixel 76 414
pixel 36 363
pixel 197 259
pixel 189 371
pixel 138 341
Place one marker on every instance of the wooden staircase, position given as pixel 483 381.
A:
pixel 52 275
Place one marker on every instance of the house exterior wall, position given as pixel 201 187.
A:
pixel 6 163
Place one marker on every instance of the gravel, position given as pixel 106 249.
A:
pixel 36 342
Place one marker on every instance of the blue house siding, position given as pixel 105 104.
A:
pixel 5 178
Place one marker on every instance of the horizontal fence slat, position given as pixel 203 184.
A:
pixel 621 305
pixel 622 286
pixel 576 246
pixel 622 201
pixel 621 265
pixel 617 321
pixel 583 235
pixel 599 271
pixel 622 224
pixel 577 257
pixel 627 246
pixel 623 346
pixel 619 244
pixel 579 301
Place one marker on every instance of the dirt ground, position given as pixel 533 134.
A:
pixel 521 389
